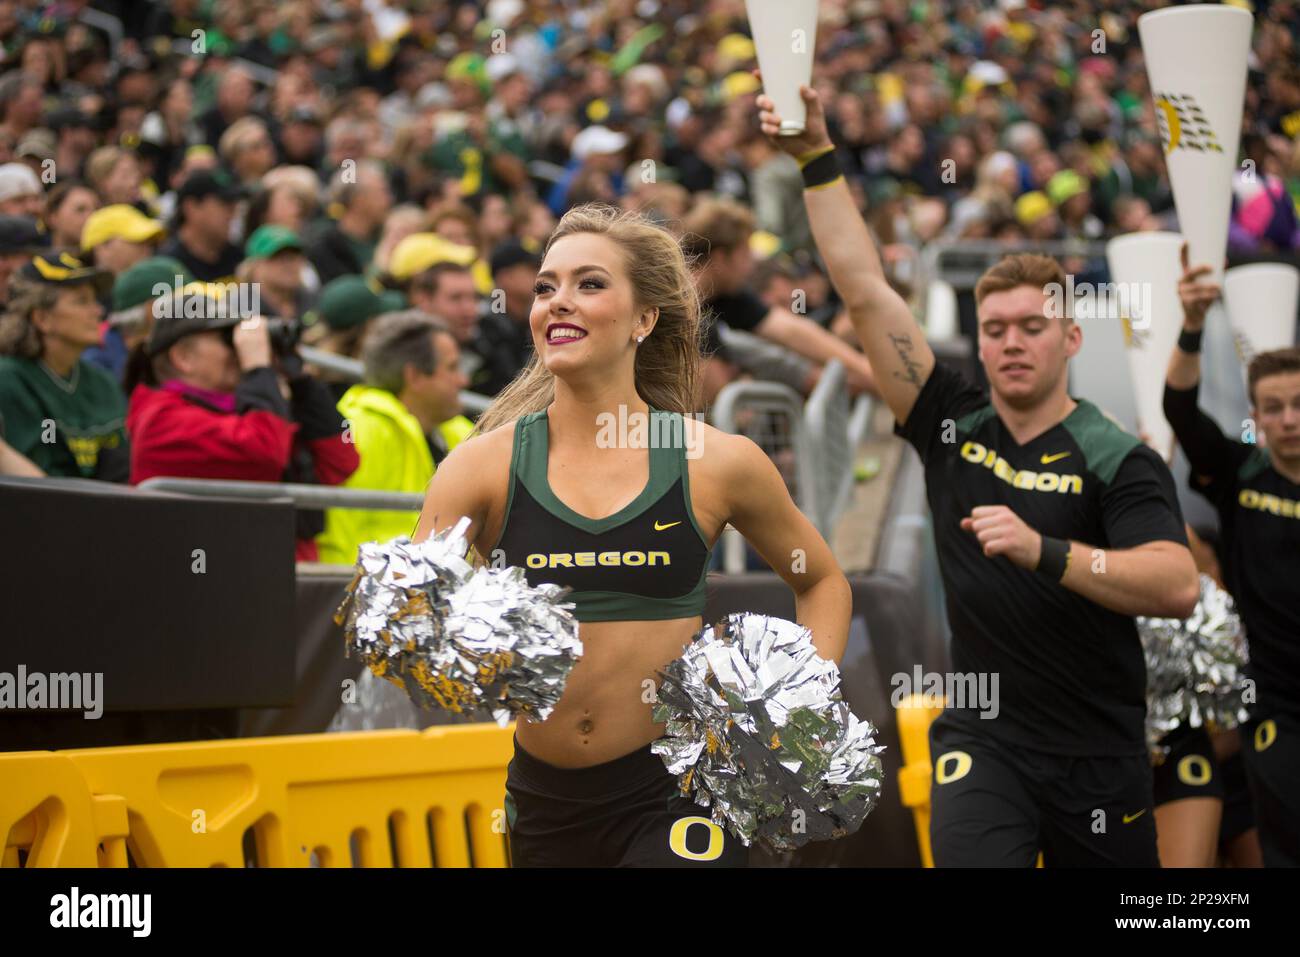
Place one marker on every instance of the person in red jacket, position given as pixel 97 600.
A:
pixel 206 402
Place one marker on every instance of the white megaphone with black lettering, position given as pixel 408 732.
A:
pixel 785 32
pixel 1149 263
pixel 1196 63
pixel 1261 299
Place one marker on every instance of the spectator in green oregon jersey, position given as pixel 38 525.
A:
pixel 64 414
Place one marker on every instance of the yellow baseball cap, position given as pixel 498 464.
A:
pixel 738 84
pixel 736 48
pixel 119 221
pixel 421 251
pixel 1032 207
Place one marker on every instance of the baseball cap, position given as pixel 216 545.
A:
pixel 348 301
pixel 119 221
pixel 209 182
pixel 303 114
pixel 268 240
pixel 136 285
pixel 18 234
pixel 739 84
pixel 65 269
pixel 167 331
pixel 38 144
pixel 1065 185
pixel 501 65
pixel 513 253
pixel 69 118
pixel 421 251
pixel 18 179
pixel 736 48
pixel 596 140
pixel 1032 207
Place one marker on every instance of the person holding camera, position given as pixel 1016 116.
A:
pixel 206 401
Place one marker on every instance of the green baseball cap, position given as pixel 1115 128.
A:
pixel 136 285
pixel 1065 185
pixel 268 240
pixel 349 301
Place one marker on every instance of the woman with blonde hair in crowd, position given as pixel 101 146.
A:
pixel 115 175
pixel 615 325
pixel 247 150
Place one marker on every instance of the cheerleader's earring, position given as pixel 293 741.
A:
pixel 640 339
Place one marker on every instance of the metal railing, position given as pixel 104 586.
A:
pixel 352 370
pixel 765 360
pixel 313 497
pixel 835 430
pixel 771 415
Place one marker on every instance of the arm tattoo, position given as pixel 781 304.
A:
pixel 911 368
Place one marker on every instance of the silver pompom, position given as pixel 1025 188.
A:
pixel 1195 667
pixel 757 730
pixel 456 637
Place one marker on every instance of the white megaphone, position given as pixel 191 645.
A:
pixel 1150 263
pixel 785 33
pixel 1261 300
pixel 1196 63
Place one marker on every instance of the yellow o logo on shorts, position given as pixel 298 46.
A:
pixel 1194 770
pixel 1265 735
pixel 677 839
pixel 961 762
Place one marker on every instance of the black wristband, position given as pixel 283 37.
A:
pixel 1190 341
pixel 1054 558
pixel 824 169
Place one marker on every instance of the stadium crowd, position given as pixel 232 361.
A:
pixel 384 179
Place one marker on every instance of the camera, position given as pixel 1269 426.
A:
pixel 284 335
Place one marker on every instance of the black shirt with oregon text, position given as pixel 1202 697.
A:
pixel 1071 676
pixel 1259 525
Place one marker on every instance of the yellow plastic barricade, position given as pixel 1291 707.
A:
pixel 49 818
pixel 368 798
pixel 914 720
pixel 917 773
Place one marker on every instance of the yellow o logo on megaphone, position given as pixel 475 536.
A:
pixel 1172 123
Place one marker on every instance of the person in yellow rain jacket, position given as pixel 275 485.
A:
pixel 404 418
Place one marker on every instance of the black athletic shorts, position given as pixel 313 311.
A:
pixel 624 813
pixel 1189 770
pixel 1270 750
pixel 998 806
pixel 1238 815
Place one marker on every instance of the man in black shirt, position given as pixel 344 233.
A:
pixel 205 206
pixel 1054 528
pixel 503 341
pixel 1255 487
pixel 716 237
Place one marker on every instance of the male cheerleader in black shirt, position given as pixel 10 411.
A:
pixel 1255 487
pixel 1054 528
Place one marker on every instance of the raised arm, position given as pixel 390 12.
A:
pixel 894 343
pixel 1208 450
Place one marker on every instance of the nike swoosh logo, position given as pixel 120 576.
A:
pixel 660 528
pixel 1130 818
pixel 1049 459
